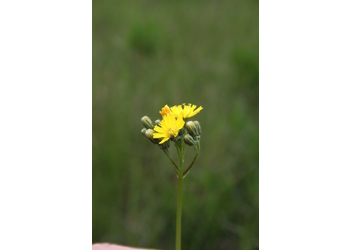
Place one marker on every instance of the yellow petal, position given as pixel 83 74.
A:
pixel 158 135
pixel 179 123
pixel 164 140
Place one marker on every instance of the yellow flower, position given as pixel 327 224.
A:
pixel 187 111
pixel 168 127
pixel 165 111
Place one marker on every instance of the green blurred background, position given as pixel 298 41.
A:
pixel 150 53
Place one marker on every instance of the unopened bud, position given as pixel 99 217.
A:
pixel 198 127
pixel 189 140
pixel 143 131
pixel 191 128
pixel 157 122
pixel 149 135
pixel 146 121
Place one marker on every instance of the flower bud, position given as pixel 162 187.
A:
pixel 143 131
pixel 146 122
pixel 149 135
pixel 157 122
pixel 189 140
pixel 191 128
pixel 198 127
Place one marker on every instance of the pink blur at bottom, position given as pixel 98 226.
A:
pixel 106 246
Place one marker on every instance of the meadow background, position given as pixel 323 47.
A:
pixel 150 53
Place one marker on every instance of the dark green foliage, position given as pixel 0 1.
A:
pixel 150 53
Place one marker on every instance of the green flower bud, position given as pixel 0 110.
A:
pixel 143 131
pixel 146 122
pixel 157 122
pixel 191 128
pixel 189 140
pixel 149 135
pixel 198 127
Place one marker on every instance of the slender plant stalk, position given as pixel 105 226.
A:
pixel 179 197
pixel 174 127
pixel 172 162
pixel 194 160
pixel 189 168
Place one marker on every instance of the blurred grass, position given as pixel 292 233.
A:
pixel 150 53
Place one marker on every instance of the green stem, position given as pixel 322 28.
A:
pixel 172 162
pixel 180 151
pixel 178 215
pixel 194 160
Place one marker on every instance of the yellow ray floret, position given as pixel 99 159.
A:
pixel 186 111
pixel 165 111
pixel 169 127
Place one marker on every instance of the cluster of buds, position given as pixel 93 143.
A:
pixel 191 133
pixel 175 126
pixel 148 132
pixel 192 138
pixel 194 133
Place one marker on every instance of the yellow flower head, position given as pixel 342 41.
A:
pixel 168 128
pixel 186 111
pixel 165 111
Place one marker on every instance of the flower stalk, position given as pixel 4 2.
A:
pixel 176 168
pixel 172 128
pixel 193 161
pixel 179 198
